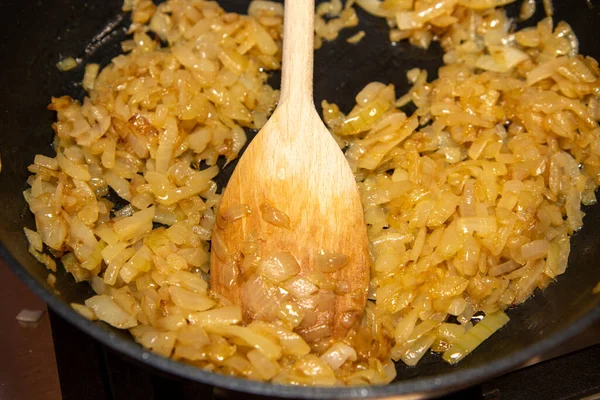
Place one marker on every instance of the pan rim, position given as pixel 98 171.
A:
pixel 415 388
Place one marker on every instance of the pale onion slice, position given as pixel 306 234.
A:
pixel 261 298
pixel 291 314
pixel 224 316
pixel 484 226
pixel 279 267
pixel 558 257
pixel 108 311
pixel 90 75
pixel 84 311
pixel 219 246
pixel 300 287
pixel 154 339
pixel 450 332
pixel 46 162
pixel 268 347
pixel 34 239
pixel 188 280
pixel 405 326
pixel 473 338
pixel 338 354
pixel 292 344
pixel 535 249
pixel 67 64
pixel 265 367
pixel 312 365
pixel 418 350
pixel 190 300
pixel 43 258
pixel 527 10
pixel 503 268
pixel 258 7
pixel 193 335
pixel 136 225
pixel 457 306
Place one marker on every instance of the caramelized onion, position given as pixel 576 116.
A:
pixel 317 332
pixel 274 216
pixel 328 261
pixel 236 212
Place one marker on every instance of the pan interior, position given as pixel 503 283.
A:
pixel 93 32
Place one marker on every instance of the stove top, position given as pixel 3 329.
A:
pixel 95 372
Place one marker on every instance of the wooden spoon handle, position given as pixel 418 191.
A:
pixel 298 49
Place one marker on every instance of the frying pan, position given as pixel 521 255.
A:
pixel 36 34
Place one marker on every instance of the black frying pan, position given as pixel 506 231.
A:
pixel 36 34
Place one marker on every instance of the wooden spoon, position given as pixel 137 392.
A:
pixel 293 194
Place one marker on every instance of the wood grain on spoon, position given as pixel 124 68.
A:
pixel 294 169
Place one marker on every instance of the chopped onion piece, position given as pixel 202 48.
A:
pixel 300 287
pixel 317 332
pixel 259 298
pixel 236 212
pixel 89 78
pixel 535 249
pixel 67 64
pixel 219 247
pixel 84 311
pixel 279 267
pixel 338 354
pixel 43 258
pixel 527 10
pixel 108 311
pixel 265 367
pixel 356 37
pixel 484 226
pixel 188 280
pixel 269 348
pixel 418 349
pixel 312 365
pixel 46 162
pixel 291 343
pixel 503 268
pixel 34 239
pixel 136 225
pixel 190 300
pixel 450 332
pixel 328 261
pixel 321 280
pixel 274 216
pixel 474 337
pixel 154 339
pixel 405 326
pixel 224 316
pixel 291 313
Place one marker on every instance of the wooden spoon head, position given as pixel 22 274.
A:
pixel 295 167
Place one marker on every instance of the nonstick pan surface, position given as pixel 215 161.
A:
pixel 36 34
